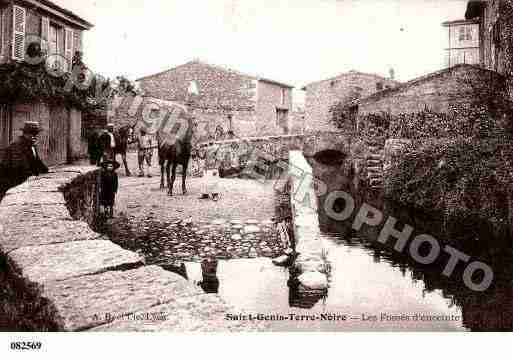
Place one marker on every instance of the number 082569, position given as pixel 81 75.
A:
pixel 26 345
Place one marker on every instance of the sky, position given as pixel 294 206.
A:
pixel 293 41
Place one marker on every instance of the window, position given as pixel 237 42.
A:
pixel 84 131
pixel 18 33
pixel 496 34
pixel 283 96
pixel 53 41
pixel 282 119
pixel 379 86
pixel 465 33
pixel 230 122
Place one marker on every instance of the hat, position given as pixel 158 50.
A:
pixel 31 127
pixel 115 164
pixel 110 125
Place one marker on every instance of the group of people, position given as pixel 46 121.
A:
pixel 102 146
pixel 102 152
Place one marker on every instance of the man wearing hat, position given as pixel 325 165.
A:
pixel 21 159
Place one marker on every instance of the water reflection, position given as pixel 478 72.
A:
pixel 209 282
pixel 490 310
pixel 374 285
pixel 301 297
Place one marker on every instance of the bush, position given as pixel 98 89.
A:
pixel 462 178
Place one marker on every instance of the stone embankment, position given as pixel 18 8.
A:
pixel 311 268
pixel 59 274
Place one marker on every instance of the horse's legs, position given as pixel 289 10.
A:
pixel 162 168
pixel 184 177
pixel 171 184
pixel 168 173
pixel 123 155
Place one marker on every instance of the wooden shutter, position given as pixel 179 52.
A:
pixel 45 34
pixel 76 41
pixel 18 34
pixel 68 46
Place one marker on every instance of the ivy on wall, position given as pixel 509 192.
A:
pixel 22 82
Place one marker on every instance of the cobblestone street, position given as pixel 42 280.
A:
pixel 169 230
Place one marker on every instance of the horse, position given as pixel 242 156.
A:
pixel 175 149
pixel 122 136
pixel 94 147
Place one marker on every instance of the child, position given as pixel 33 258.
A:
pixel 144 151
pixel 211 174
pixel 108 186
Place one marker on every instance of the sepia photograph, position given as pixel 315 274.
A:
pixel 273 166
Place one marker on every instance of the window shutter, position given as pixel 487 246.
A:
pixel 18 34
pixel 45 34
pixel 68 46
pixel 76 41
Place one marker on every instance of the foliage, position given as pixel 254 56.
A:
pixel 339 115
pixel 22 82
pixel 125 86
pixel 463 178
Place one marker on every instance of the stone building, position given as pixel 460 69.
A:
pixel 58 33
pixel 438 91
pixel 346 88
pixel 227 102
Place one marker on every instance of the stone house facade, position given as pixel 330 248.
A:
pixel 59 33
pixel 346 88
pixel 227 101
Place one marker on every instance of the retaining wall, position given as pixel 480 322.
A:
pixel 310 269
pixel 60 275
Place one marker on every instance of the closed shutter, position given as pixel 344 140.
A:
pixel 68 47
pixel 18 41
pixel 45 34
pixel 76 42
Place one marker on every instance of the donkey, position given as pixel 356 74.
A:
pixel 175 149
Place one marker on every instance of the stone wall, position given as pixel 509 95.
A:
pixel 320 96
pixel 58 274
pixel 460 85
pixel 269 150
pixel 271 97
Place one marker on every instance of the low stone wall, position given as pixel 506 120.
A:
pixel 270 153
pixel 58 274
pixel 310 269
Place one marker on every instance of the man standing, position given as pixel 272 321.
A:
pixel 144 151
pixel 21 159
